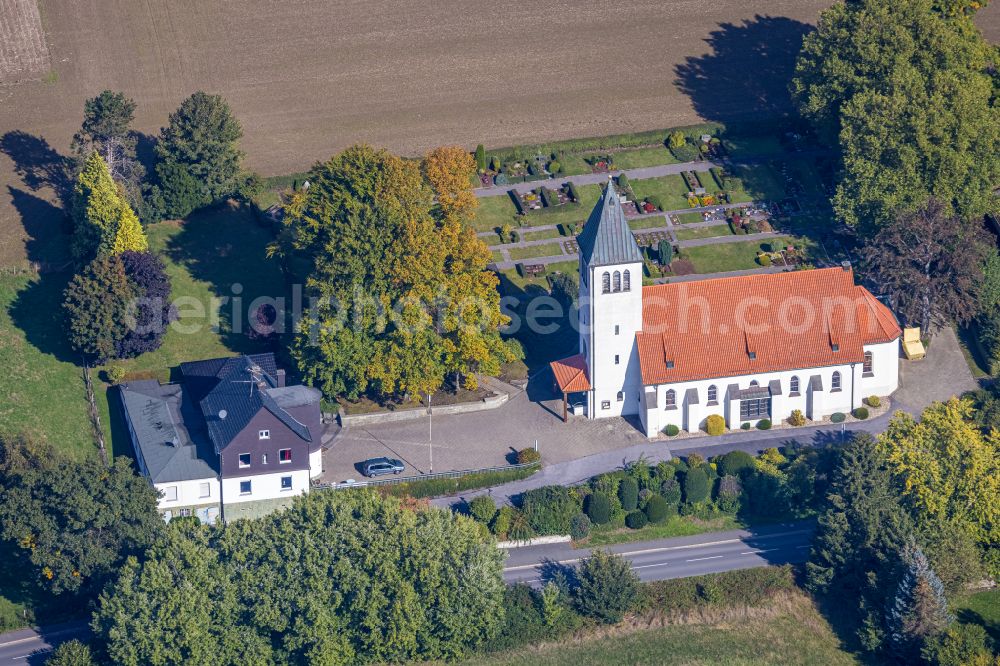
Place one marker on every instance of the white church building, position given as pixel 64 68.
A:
pixel 747 348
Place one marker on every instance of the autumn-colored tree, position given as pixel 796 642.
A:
pixel 103 221
pixel 948 469
pixel 448 170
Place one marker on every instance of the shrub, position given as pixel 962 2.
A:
pixel 671 491
pixel 607 587
pixel 837 417
pixel 959 645
pixel 483 509
pixel 549 509
pixel 656 201
pixel 520 529
pixel 764 424
pixel 671 430
pixel 636 520
pixel 628 494
pixel 495 163
pixel 764 259
pixel 715 425
pixel 860 413
pixel 598 508
pixel 500 178
pixel 579 526
pixel 623 183
pixel 657 508
pixel 573 193
pixel 734 462
pixel 116 374
pixel 676 139
pixel 696 488
pixel 502 521
pixel 555 166
pixel 528 455
pixel 480 157
pixel 744 426
pixel 873 401
pixel 797 418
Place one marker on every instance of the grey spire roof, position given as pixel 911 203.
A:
pixel 607 238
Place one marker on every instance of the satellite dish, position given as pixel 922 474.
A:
pixel 223 414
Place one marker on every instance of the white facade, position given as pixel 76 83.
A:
pixel 265 486
pixel 197 497
pixel 611 312
pixel 316 463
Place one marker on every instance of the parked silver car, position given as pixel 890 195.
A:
pixel 379 466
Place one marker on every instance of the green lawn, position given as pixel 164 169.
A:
pixel 760 181
pixel 672 190
pixel 511 276
pixel 796 634
pixel 980 608
pixel 534 251
pixel 689 218
pixel 41 383
pixel 675 526
pixel 495 212
pixel 647 223
pixel 704 232
pixel 723 257
pixel 530 234
pixel 643 157
pixel 568 213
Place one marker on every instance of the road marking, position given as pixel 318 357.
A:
pixel 710 557
pixel 754 552
pixel 801 547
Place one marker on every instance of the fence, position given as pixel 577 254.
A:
pixel 423 477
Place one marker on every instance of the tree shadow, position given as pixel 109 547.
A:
pixel 745 75
pixel 37 311
pixel 969 616
pixel 38 164
pixel 45 227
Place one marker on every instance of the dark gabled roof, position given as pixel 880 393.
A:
pixel 606 238
pixel 234 390
pixel 165 422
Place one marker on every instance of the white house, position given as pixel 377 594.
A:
pixel 746 348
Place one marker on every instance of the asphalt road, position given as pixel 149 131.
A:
pixel 674 558
pixel 28 646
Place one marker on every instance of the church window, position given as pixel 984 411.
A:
pixel 869 365
pixel 835 382
pixel 671 399
pixel 621 396
pixel 617 286
pixel 616 329
pixel 713 393
pixel 793 385
pixel 616 359
pixel 627 282
pixel 606 283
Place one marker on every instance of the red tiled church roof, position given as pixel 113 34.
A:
pixel 745 325
pixel 571 374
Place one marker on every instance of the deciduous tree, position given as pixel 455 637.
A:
pixel 448 170
pixel 607 587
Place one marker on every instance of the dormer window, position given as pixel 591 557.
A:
pixel 752 355
pixel 835 347
pixel 670 364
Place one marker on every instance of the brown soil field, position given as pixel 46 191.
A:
pixel 23 53
pixel 307 77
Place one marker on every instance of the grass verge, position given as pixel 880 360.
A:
pixel 675 526
pixel 439 487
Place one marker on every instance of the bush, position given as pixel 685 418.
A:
pixel 744 426
pixel 671 430
pixel 607 587
pixel 861 413
pixel 598 508
pixel 549 509
pixel 528 455
pixel 764 259
pixel 655 201
pixel 715 425
pixel 482 508
pixel 116 374
pixel 554 166
pixel 837 417
pixel 734 462
pixel 676 139
pixel 959 645
pixel 797 418
pixel 696 487
pixel 671 491
pixel 623 182
pixel 657 509
pixel 764 424
pixel 628 494
pixel 873 401
pixel 636 520
pixel 502 521
pixel 500 178
pixel 579 526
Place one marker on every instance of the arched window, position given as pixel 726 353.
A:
pixel 754 383
pixel 671 398
pixel 626 281
pixel 835 382
pixel 606 283
pixel 713 393
pixel 621 396
pixel 617 282
pixel 793 384
pixel 869 364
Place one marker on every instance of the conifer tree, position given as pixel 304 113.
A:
pixel 101 215
pixel 919 608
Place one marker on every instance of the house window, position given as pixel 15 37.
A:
pixel 263 434
pixel 284 456
pixel 263 459
pixel 205 489
pixel 713 394
pixel 627 281
pixel 616 359
pixel 869 364
pixel 606 283
pixel 185 513
pixel 671 399
pixel 170 494
pixel 616 329
pixel 605 404
pixel 286 483
pixel 245 487
pixel 244 460
pixel 793 385
pixel 754 408
pixel 835 382
pixel 621 396
pixel 617 282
